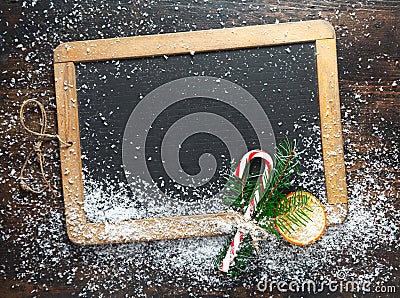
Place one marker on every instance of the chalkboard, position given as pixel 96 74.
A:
pixel 156 120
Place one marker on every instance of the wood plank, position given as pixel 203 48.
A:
pixel 157 228
pixel 331 127
pixel 71 165
pixel 189 42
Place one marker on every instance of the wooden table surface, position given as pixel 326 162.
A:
pixel 36 256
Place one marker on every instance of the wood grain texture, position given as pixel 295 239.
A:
pixel 190 42
pixel 36 256
pixel 331 128
pixel 70 157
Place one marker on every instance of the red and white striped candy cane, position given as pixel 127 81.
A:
pixel 239 172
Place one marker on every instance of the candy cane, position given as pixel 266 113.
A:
pixel 239 172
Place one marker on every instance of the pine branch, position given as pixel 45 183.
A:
pixel 241 190
pixel 286 163
pixel 279 179
pixel 274 209
pixel 289 213
pixel 245 254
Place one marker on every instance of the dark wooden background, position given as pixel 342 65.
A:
pixel 368 50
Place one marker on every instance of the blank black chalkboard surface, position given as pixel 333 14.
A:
pixel 156 120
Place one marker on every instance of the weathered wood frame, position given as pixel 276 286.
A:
pixel 82 232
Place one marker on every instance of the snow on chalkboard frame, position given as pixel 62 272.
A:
pixel 317 36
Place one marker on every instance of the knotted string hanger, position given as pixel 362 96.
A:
pixel 37 148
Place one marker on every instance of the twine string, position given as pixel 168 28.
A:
pixel 37 148
pixel 256 232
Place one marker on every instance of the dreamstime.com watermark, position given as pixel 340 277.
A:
pixel 311 286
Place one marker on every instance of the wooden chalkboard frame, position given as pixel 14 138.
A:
pixel 82 232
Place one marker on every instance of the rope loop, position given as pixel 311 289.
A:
pixel 37 148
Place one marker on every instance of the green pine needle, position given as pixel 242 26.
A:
pixel 274 208
pixel 286 164
pixel 289 213
pixel 241 190
pixel 245 254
